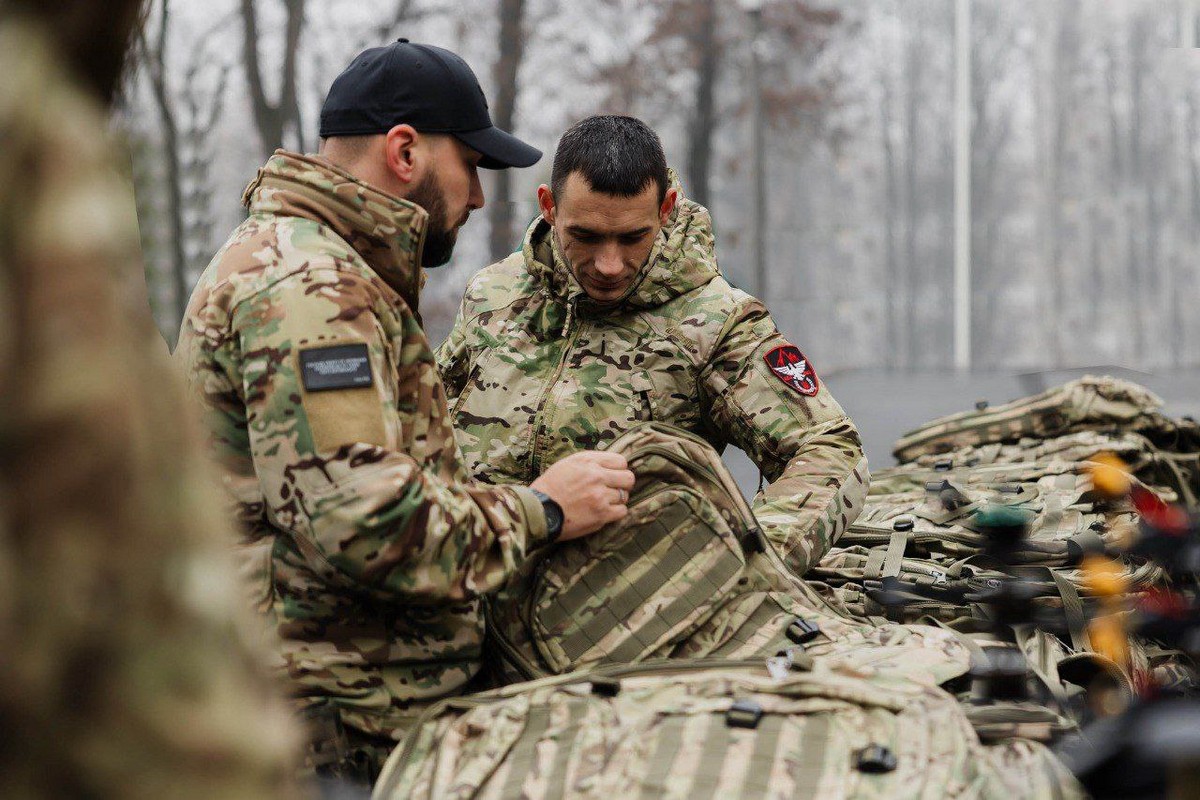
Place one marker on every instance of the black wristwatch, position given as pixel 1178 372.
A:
pixel 553 512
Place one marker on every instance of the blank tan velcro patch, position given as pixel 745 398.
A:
pixel 345 416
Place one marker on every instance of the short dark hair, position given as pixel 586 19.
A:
pixel 617 155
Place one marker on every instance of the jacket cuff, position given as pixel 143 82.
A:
pixel 535 517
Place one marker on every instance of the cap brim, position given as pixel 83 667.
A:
pixel 500 150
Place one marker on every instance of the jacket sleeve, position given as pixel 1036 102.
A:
pixel 367 480
pixel 453 356
pixel 806 447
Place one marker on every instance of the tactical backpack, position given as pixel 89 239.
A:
pixel 686 574
pixel 1120 416
pixel 704 729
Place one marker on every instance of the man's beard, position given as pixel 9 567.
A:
pixel 440 235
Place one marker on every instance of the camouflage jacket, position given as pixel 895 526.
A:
pixel 535 371
pixel 129 667
pixel 325 410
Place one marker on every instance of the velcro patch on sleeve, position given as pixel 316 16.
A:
pixel 790 366
pixel 339 366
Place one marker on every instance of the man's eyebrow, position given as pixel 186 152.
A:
pixel 579 230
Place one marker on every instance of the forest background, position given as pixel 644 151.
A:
pixel 1084 156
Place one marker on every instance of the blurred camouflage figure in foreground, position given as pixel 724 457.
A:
pixel 303 343
pixel 614 312
pixel 123 672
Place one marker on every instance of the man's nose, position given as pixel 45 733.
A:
pixel 475 198
pixel 608 261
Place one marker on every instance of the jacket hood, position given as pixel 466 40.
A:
pixel 388 232
pixel 682 259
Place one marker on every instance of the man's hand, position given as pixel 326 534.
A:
pixel 592 487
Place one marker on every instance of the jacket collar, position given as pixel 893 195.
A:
pixel 388 232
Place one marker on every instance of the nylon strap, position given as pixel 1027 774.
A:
pixel 1073 608
pixel 520 763
pixel 611 568
pixel 649 584
pixel 810 761
pixel 556 780
pixel 762 616
pixel 712 758
pixel 758 774
pixel 670 739
pixel 895 554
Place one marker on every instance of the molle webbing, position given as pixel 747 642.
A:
pixel 699 592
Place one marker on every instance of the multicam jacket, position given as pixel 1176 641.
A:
pixel 325 409
pixel 535 371
pixel 128 666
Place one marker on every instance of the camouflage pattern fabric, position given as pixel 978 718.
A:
pixel 368 545
pixel 687 574
pixel 129 666
pixel 535 371
pixel 712 729
pixel 1106 405
pixel 918 527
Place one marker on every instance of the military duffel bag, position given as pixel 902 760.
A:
pixel 686 574
pixel 692 730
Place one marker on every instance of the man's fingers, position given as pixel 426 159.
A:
pixel 610 460
pixel 619 479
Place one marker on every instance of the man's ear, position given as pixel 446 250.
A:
pixel 546 203
pixel 668 205
pixel 401 152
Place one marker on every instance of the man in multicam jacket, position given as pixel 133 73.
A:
pixel 128 665
pixel 325 409
pixel 613 312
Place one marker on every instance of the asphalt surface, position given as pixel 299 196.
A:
pixel 885 405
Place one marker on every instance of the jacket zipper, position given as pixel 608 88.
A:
pixel 539 429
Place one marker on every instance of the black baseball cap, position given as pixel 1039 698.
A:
pixel 424 86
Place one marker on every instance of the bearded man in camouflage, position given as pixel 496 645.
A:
pixel 303 344
pixel 614 312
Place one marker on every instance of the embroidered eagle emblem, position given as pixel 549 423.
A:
pixel 791 367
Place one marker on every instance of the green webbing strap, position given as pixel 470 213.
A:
pixel 556 779
pixel 698 595
pixel 762 758
pixel 658 771
pixel 1053 683
pixel 895 554
pixel 1073 608
pixel 712 758
pixel 768 610
pixel 520 763
pixel 873 569
pixel 633 596
pixel 810 761
pixel 611 568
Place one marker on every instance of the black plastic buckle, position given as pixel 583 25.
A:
pixel 606 687
pixel 902 524
pixel 875 759
pixel 944 465
pixel 743 714
pixel 981 405
pixel 801 631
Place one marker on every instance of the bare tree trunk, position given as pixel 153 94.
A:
pixel 507 77
pixel 700 143
pixel 273 119
pixel 914 75
pixel 890 283
pixel 155 57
